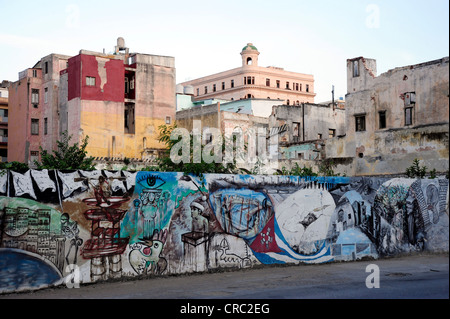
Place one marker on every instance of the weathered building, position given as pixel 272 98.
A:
pixel 298 131
pixel 303 131
pixel 4 121
pixel 393 118
pixel 253 81
pixel 119 100
pixel 33 109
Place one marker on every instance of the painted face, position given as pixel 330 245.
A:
pixel 153 249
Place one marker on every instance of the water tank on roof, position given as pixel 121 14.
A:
pixel 179 89
pixel 120 42
pixel 189 90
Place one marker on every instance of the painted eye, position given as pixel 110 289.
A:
pixel 149 180
pixel 155 245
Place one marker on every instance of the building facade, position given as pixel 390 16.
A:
pixel 395 117
pixel 34 113
pixel 303 129
pixel 4 121
pixel 253 81
pixel 118 100
pixel 298 131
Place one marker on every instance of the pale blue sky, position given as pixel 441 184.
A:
pixel 206 36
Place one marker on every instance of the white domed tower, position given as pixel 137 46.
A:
pixel 249 55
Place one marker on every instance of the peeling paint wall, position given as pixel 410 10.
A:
pixel 389 149
pixel 120 122
pixel 307 122
pixel 98 225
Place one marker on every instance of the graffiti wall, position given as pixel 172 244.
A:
pixel 60 227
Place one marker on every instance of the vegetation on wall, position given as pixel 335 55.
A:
pixel 420 171
pixel 13 166
pixel 66 156
pixel 326 168
pixel 165 163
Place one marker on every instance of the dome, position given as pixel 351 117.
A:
pixel 249 46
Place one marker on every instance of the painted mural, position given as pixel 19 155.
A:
pixel 113 224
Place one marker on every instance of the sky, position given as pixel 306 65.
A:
pixel 207 36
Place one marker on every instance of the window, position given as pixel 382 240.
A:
pixel 410 98
pixel 46 95
pixel 208 138
pixel 278 84
pixel 45 126
pixel 35 97
pixel 355 68
pixel 46 67
pixel 34 156
pixel 129 117
pixel 295 129
pixel 34 126
pixel 287 85
pixel 232 83
pixel 127 86
pixel 267 82
pixel 35 73
pixel 287 101
pixel 198 91
pixel 223 85
pixel 168 119
pixel 206 89
pixel 214 88
pixel 300 86
pixel 319 136
pixel 360 121
pixel 408 116
pixel 90 81
pixel 382 119
pixel 249 80
pixel 307 87
pixel 331 133
pixel 296 86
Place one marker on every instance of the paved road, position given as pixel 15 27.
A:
pixel 408 277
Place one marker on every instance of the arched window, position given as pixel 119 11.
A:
pixel 249 61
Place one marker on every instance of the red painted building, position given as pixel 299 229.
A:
pixel 119 100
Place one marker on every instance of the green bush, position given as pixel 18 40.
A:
pixel 66 156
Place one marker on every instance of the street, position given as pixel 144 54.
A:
pixel 409 277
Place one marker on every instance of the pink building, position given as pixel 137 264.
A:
pixel 33 114
pixel 253 81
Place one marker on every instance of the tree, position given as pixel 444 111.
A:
pixel 166 164
pixel 66 156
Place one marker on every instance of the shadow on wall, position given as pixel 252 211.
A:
pixel 96 225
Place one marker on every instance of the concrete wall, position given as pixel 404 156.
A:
pixel 398 143
pixel 312 120
pixel 73 226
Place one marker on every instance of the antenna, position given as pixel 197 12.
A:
pixel 332 96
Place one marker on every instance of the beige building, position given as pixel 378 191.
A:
pixel 393 118
pixel 253 81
